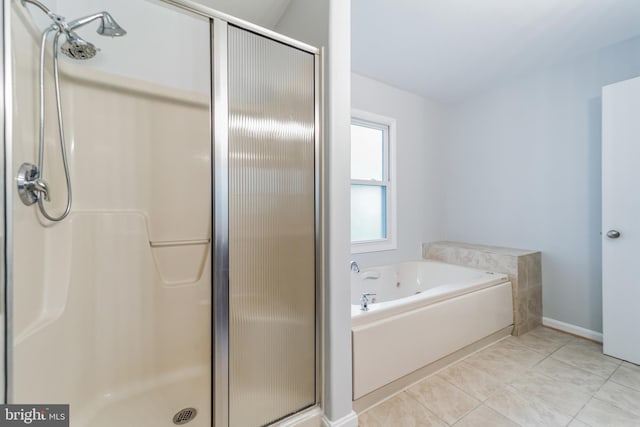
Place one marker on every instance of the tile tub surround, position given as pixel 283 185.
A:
pixel 524 268
pixel 541 378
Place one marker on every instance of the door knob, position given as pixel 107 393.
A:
pixel 613 234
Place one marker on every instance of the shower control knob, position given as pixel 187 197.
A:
pixel 30 186
pixel 613 234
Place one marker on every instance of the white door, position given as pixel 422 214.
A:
pixel 621 219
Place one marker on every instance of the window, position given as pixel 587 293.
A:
pixel 373 222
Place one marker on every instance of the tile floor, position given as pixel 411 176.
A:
pixel 543 378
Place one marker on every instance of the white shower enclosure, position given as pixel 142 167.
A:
pixel 183 287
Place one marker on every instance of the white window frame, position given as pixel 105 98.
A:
pixel 389 181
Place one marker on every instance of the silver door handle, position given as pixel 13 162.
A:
pixel 613 234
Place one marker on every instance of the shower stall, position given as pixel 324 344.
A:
pixel 162 236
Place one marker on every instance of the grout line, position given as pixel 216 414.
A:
pixel 523 345
pixel 584 406
pixel 425 407
pixel 456 387
pixel 467 413
pixel 580 411
pixel 607 402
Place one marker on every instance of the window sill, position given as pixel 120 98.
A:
pixel 373 246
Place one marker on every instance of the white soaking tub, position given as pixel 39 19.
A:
pixel 422 312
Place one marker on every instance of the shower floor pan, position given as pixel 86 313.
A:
pixel 154 407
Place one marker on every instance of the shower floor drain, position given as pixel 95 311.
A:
pixel 184 416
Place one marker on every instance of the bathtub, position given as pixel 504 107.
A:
pixel 421 312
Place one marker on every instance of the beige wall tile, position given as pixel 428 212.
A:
pixel 520 326
pixel 534 269
pixel 534 323
pixel 521 312
pixel 534 302
pixel 522 273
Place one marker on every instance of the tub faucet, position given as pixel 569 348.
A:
pixel 354 267
pixel 364 301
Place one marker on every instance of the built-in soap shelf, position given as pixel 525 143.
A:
pixel 180 262
pixel 170 243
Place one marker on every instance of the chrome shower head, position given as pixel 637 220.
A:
pixel 109 26
pixel 77 48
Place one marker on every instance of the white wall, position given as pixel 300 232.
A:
pixel 306 21
pixel 153 29
pixel 419 149
pixel 523 170
pixel 265 13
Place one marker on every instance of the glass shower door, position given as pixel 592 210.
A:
pixel 110 308
pixel 272 229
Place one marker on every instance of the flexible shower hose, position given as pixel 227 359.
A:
pixel 63 149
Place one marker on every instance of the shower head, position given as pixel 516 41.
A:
pixel 77 48
pixel 109 26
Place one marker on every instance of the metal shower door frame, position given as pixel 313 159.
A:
pixel 6 216
pixel 220 188
pixel 220 209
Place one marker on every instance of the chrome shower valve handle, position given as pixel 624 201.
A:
pixel 30 186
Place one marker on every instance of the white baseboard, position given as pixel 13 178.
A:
pixel 572 329
pixel 350 420
pixel 309 418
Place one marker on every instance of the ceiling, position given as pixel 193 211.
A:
pixel 265 13
pixel 448 49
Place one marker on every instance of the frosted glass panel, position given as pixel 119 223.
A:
pixel 367 147
pixel 368 218
pixel 271 230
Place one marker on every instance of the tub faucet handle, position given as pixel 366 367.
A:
pixel 355 267
pixel 364 301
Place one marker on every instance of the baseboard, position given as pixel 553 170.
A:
pixel 350 420
pixel 309 418
pixel 572 329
